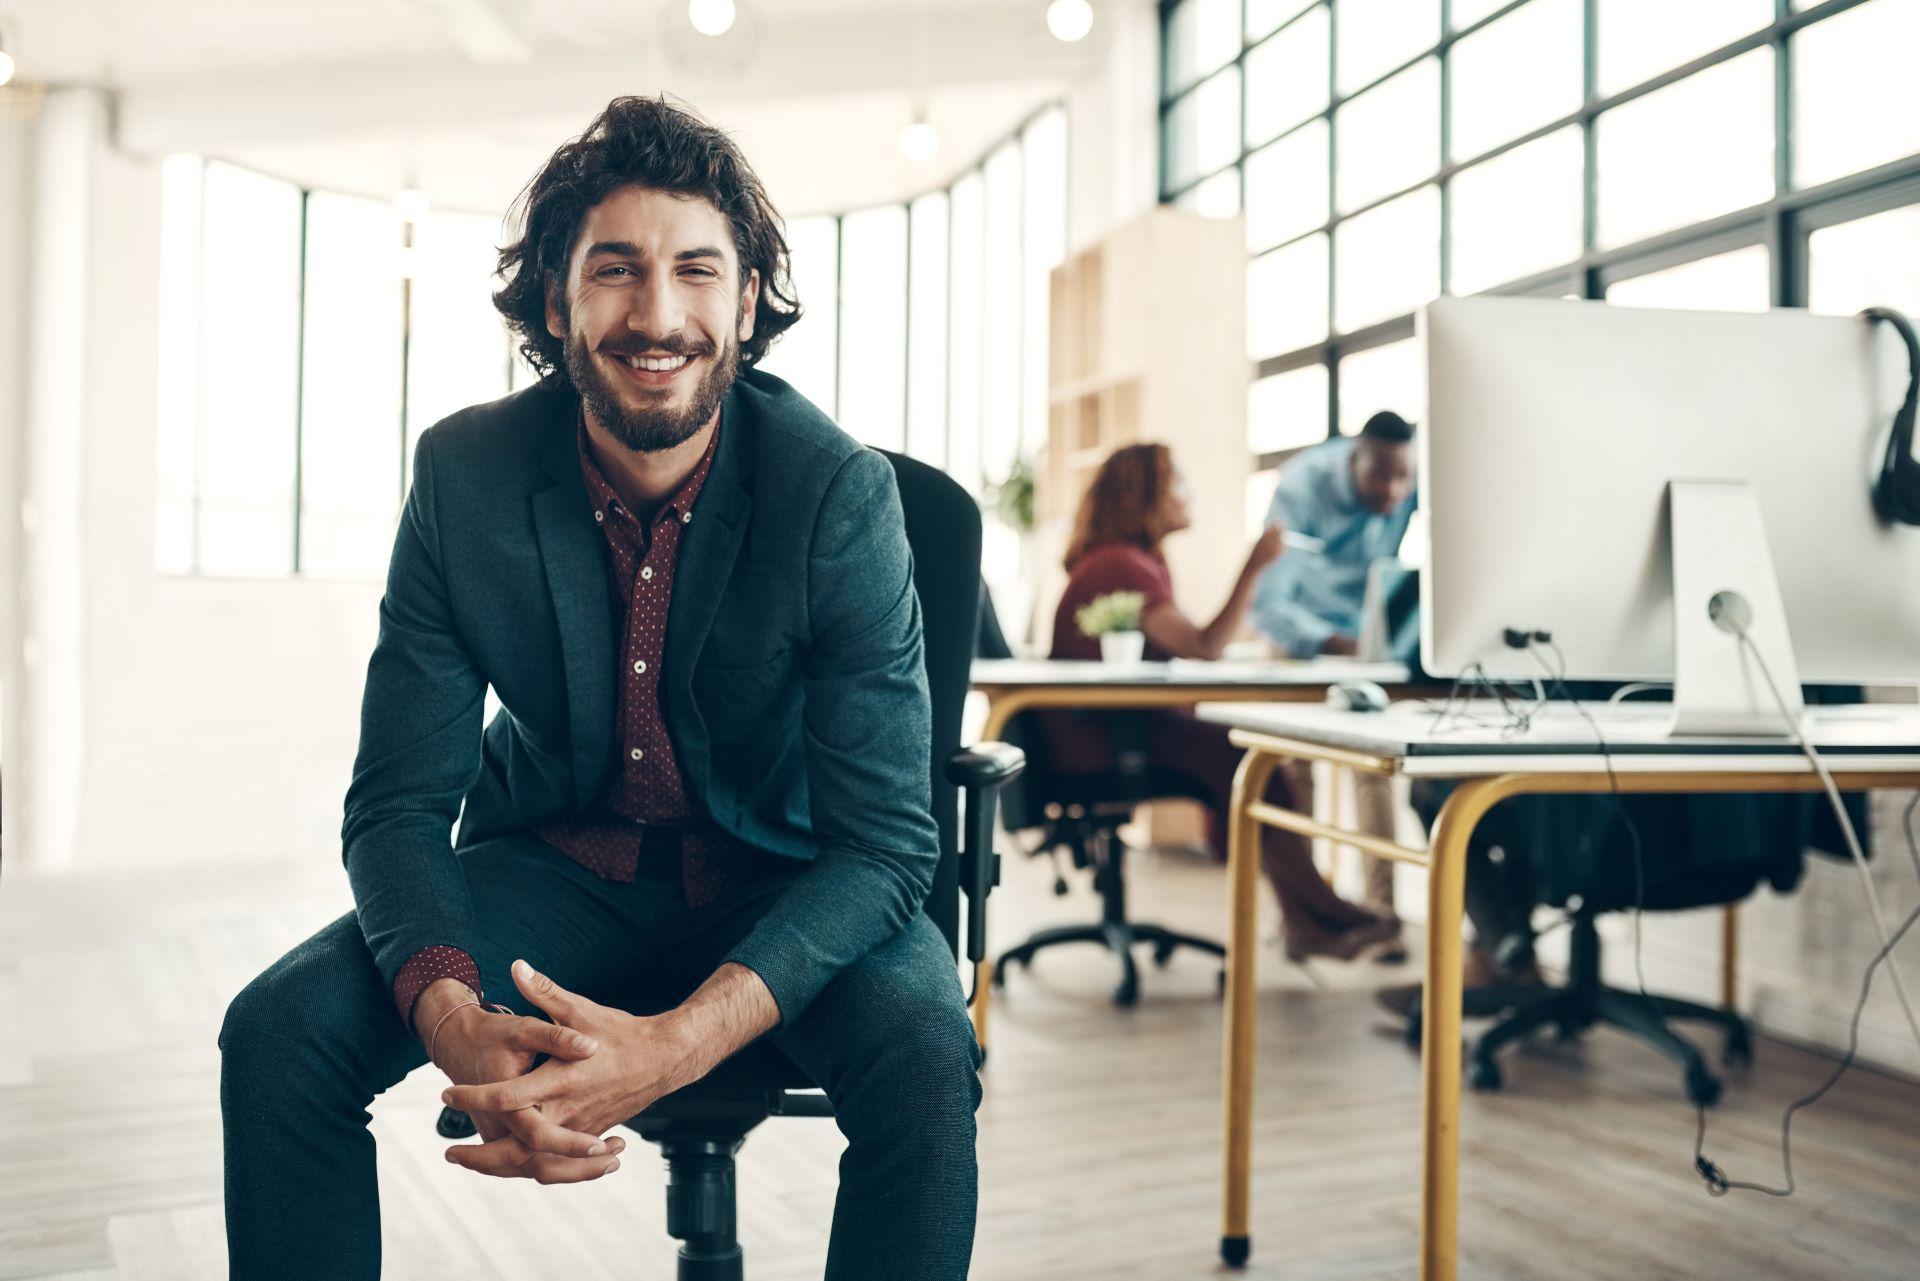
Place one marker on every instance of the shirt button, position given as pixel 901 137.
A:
pixel 640 665
pixel 599 517
pixel 636 753
pixel 686 518
pixel 646 571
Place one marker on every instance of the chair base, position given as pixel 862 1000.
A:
pixel 1114 930
pixel 1584 1002
pixel 700 1190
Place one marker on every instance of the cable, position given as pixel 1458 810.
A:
pixel 1840 813
pixel 1718 1184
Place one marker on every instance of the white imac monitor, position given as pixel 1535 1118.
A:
pixel 1556 460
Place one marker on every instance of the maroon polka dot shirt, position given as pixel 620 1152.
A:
pixel 646 812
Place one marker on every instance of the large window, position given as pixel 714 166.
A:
pixel 1727 154
pixel 311 336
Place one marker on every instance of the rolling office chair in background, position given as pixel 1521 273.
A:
pixel 701 1128
pixel 1573 852
pixel 1081 815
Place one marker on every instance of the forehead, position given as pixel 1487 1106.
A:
pixel 656 222
pixel 1381 455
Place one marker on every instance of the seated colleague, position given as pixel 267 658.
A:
pixel 703 813
pixel 1356 494
pixel 1137 498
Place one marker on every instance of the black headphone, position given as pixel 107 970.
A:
pixel 1896 490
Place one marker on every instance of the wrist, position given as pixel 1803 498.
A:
pixel 436 1000
pixel 675 1038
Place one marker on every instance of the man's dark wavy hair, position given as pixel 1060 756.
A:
pixel 652 143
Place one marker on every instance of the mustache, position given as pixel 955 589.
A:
pixel 670 345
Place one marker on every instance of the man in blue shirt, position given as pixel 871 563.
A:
pixel 1356 495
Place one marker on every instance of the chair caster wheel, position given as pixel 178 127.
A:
pixel 1220 985
pixel 1127 994
pixel 1414 1030
pixel 1162 953
pixel 1738 1051
pixel 1703 1088
pixel 1234 1251
pixel 1484 1075
pixel 1000 975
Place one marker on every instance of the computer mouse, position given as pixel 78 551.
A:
pixel 1357 696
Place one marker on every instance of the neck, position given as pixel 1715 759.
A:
pixel 644 480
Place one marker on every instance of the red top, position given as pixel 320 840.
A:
pixel 1078 742
pixel 1110 567
pixel 647 802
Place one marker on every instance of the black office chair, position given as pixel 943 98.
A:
pixel 701 1128
pixel 1696 851
pixel 1081 816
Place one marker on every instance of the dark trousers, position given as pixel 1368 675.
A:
pixel 308 1045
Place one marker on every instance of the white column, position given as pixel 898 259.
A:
pixel 52 612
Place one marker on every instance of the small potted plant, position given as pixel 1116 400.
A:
pixel 1115 620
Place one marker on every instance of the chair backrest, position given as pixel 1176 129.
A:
pixel 943 531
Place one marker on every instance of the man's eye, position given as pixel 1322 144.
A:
pixel 608 271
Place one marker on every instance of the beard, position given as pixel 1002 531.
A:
pixel 651 428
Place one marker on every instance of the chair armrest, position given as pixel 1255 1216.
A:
pixel 985 765
pixel 981 771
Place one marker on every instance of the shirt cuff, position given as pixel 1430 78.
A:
pixel 427 966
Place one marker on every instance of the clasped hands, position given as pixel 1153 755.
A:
pixel 604 1065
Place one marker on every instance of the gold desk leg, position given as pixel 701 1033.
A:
pixel 982 997
pixel 1440 1029
pixel 1243 888
pixel 1730 957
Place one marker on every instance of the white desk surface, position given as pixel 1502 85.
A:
pixel 1278 672
pixel 1866 737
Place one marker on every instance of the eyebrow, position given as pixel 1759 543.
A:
pixel 627 249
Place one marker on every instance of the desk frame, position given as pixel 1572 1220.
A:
pixel 1006 701
pixel 1446 861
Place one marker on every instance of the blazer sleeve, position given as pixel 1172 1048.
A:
pixel 420 726
pixel 867 729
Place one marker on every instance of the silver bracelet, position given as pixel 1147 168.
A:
pixel 435 1034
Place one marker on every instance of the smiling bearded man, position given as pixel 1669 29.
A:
pixel 701 815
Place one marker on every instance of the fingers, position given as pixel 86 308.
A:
pixel 509 1095
pixel 508 1158
pixel 542 1134
pixel 546 994
pixel 541 1037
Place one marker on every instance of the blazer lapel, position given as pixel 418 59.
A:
pixel 709 546
pixel 574 554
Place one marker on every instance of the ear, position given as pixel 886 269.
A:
pixel 749 304
pixel 556 310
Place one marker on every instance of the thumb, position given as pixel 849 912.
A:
pixel 545 993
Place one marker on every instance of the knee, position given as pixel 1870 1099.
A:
pixel 923 1070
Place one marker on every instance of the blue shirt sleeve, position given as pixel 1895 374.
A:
pixel 1277 612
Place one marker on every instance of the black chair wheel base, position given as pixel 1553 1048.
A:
pixel 1220 985
pixel 1483 1074
pixel 1127 995
pixel 1738 1050
pixel 1234 1251
pixel 1703 1088
pixel 1411 1036
pixel 1162 953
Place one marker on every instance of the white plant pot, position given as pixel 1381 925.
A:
pixel 1123 647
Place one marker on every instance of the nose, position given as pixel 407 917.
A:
pixel 655 308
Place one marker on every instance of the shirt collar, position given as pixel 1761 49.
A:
pixel 678 504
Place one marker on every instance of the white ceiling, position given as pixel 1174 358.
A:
pixel 356 93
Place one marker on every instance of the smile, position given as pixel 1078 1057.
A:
pixel 653 371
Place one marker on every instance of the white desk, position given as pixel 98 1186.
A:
pixel 1871 746
pixel 1015 685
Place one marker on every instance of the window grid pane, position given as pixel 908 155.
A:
pixel 1389 260
pixel 1286 187
pixel 927 332
pixel 1734 281
pixel 1388 138
pixel 1287 78
pixel 1853 100
pixel 1203 129
pixel 1518 213
pixel 1287 298
pixel 1202 36
pixel 1515 75
pixel 1375 36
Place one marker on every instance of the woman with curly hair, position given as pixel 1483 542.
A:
pixel 1138 498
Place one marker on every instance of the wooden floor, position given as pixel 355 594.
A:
pixel 1099 1137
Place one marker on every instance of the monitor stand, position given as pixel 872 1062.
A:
pixel 1723 584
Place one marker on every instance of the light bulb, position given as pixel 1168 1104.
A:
pixel 919 140
pixel 6 68
pixel 410 204
pixel 1069 20
pixel 711 17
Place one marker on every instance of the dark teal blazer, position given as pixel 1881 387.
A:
pixel 792 681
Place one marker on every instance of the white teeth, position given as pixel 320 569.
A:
pixel 658 364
